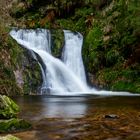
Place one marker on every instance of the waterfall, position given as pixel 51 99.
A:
pixel 59 76
pixel 71 54
pixel 65 76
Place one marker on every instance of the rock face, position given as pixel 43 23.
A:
pixel 8 109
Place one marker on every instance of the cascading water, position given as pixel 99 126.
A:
pixel 71 54
pixel 61 77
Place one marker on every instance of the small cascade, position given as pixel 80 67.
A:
pixel 59 76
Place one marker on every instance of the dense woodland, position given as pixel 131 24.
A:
pixel 111 49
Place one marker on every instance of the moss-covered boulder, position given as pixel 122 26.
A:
pixel 8 108
pixel 13 125
pixel 9 137
pixel 8 116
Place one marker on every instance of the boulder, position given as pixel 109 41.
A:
pixel 13 125
pixel 9 137
pixel 8 108
pixel 111 116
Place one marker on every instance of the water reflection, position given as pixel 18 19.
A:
pixel 38 107
pixel 57 109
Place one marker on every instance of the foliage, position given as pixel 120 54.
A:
pixel 111 46
pixel 112 57
pixel 120 79
pixel 113 35
pixel 94 38
pixel 57 42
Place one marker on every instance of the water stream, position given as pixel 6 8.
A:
pixel 65 76
pixel 59 76
pixel 82 114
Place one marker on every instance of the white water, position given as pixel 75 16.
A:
pixel 61 77
pixel 72 54
pixel 58 76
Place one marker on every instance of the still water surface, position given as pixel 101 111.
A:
pixel 37 107
pixel 80 117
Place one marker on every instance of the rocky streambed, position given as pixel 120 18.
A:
pixel 80 118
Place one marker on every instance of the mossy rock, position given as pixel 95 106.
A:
pixel 9 137
pixel 8 108
pixel 57 42
pixel 13 125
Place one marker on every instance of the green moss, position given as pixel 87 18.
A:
pixel 8 114
pixel 66 24
pixel 31 76
pixel 57 42
pixel 9 137
pixel 112 57
pixel 13 125
pixel 15 51
pixel 126 86
pixel 10 60
pixel 9 87
pixel 119 79
pixel 94 38
pixel 8 108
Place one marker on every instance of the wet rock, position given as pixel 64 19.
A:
pixel 111 116
pixel 9 137
pixel 58 42
pixel 19 78
pixel 8 108
pixel 13 125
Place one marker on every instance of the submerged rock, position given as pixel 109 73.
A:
pixel 111 116
pixel 13 125
pixel 9 137
pixel 8 108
